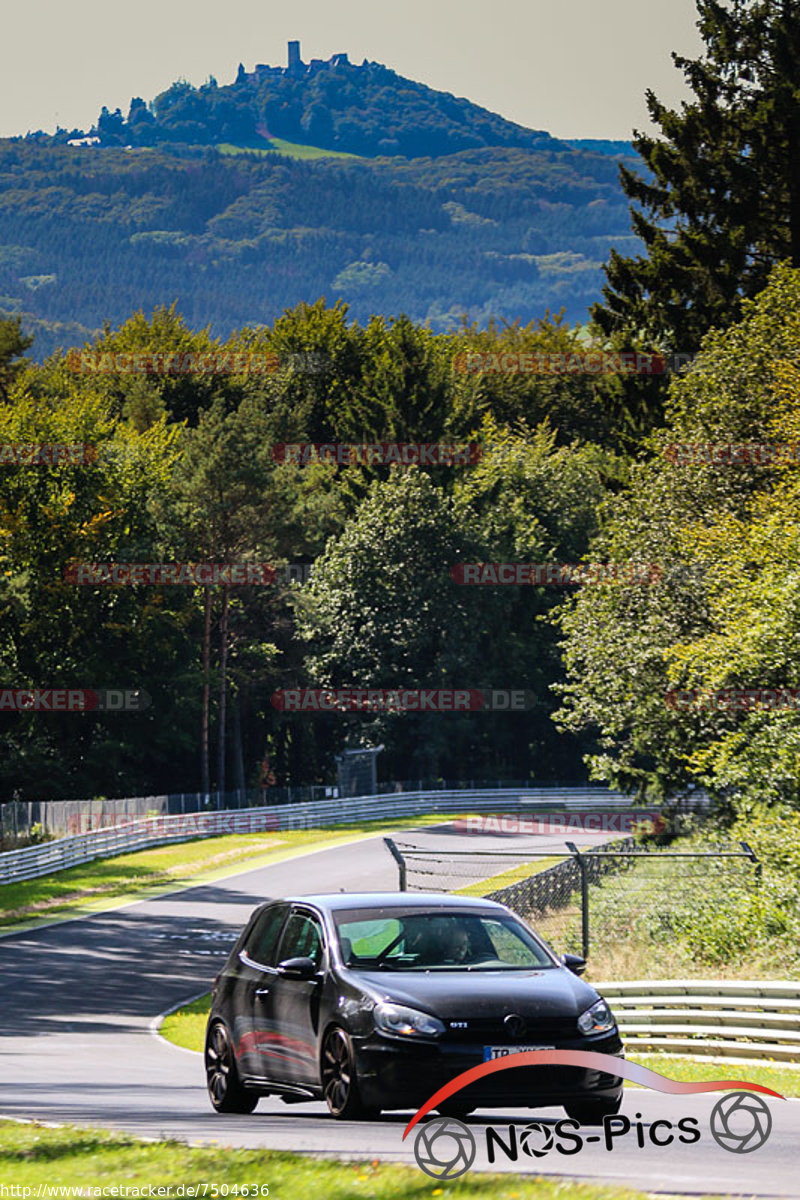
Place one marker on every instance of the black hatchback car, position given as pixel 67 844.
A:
pixel 375 1001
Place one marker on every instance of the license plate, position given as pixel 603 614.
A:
pixel 490 1052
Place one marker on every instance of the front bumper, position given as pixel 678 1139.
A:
pixel 394 1074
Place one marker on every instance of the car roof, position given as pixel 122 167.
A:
pixel 335 901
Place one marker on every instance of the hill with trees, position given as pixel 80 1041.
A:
pixel 228 201
pixel 90 234
pixel 366 110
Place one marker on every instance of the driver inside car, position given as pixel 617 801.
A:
pixel 460 949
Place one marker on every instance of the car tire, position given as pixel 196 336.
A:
pixel 591 1112
pixel 340 1079
pixel 451 1108
pixel 225 1090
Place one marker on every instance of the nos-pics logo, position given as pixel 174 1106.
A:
pixel 445 1148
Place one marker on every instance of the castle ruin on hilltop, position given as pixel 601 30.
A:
pixel 298 68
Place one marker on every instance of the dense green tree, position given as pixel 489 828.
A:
pixel 56 633
pixel 720 202
pixel 132 366
pixel 233 503
pixel 609 408
pixel 384 610
pixel 13 344
pixel 722 613
pixel 365 109
pixel 111 127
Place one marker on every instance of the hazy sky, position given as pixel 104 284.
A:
pixel 577 68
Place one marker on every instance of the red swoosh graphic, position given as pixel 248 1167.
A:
pixel 607 1063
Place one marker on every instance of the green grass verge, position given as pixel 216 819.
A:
pixel 779 1077
pixel 516 873
pixel 290 149
pixel 32 1154
pixel 107 882
pixel 512 875
pixel 187 1026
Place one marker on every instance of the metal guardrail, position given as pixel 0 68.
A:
pixel 735 1018
pixel 35 861
pixel 62 818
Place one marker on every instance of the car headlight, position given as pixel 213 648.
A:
pixel 597 1019
pixel 405 1022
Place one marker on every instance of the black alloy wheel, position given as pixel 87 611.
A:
pixel 339 1080
pixel 222 1078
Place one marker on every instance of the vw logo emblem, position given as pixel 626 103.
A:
pixel 741 1122
pixel 444 1148
pixel 514 1025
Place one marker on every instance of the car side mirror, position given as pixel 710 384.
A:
pixel 574 963
pixel 298 968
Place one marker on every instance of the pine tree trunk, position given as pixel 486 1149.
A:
pixel 238 751
pixel 794 201
pixel 223 688
pixel 205 774
pixel 792 33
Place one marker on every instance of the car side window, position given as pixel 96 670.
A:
pixel 302 938
pixel 260 945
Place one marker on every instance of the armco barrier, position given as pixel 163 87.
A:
pixel 62 818
pixel 34 861
pixel 736 1018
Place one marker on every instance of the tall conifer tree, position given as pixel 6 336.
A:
pixel 721 204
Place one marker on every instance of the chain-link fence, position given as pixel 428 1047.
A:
pixel 613 893
pixel 544 887
pixel 655 898
pixel 468 872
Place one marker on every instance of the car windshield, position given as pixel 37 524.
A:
pixel 440 941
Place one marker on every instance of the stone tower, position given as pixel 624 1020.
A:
pixel 294 56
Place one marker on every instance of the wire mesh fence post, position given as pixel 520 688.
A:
pixel 401 862
pixel 751 854
pixel 573 849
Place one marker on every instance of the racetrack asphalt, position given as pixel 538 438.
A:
pixel 77 999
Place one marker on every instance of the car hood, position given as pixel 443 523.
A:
pixel 553 992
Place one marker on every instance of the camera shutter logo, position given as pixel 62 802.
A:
pixel 444 1148
pixel 741 1122
pixel 536 1139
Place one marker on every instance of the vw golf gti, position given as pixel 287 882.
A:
pixel 375 1001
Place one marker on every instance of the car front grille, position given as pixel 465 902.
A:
pixel 492 1032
